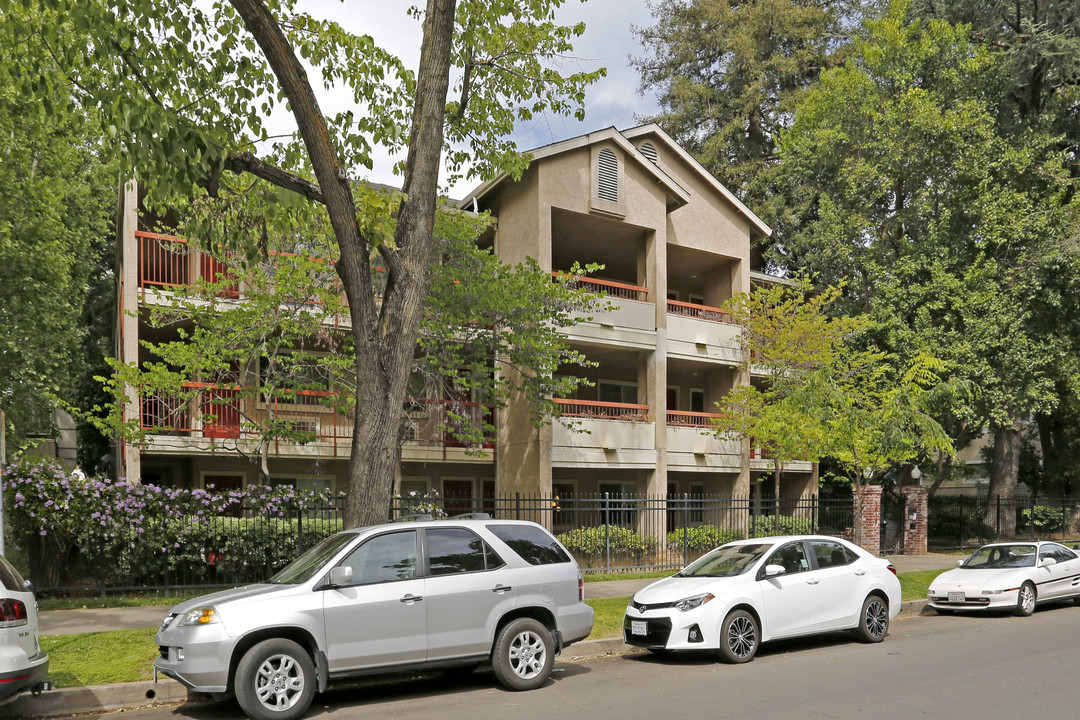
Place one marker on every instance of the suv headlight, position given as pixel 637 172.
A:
pixel 690 603
pixel 205 615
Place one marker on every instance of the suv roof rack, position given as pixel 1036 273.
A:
pixel 471 516
pixel 418 517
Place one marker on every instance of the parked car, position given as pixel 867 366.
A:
pixel 22 664
pixel 744 593
pixel 1008 576
pixel 404 596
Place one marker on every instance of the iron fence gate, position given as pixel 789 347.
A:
pixel 892 523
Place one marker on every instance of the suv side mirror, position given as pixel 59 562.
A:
pixel 27 586
pixel 774 570
pixel 340 575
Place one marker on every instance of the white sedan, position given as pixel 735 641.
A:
pixel 1008 576
pixel 744 593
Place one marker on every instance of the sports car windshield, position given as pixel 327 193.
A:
pixel 725 561
pixel 1001 556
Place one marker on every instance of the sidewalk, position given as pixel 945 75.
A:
pixel 68 622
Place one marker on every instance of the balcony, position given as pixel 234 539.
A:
pixel 702 332
pixel 693 446
pixel 203 415
pixel 604 434
pixel 630 323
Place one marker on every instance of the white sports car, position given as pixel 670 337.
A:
pixel 1008 576
pixel 744 593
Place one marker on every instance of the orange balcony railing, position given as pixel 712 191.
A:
pixel 683 418
pixel 701 312
pixel 609 287
pixel 603 410
pixel 167 261
pixel 220 412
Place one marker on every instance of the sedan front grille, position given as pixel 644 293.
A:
pixel 968 601
pixel 659 629
pixel 643 607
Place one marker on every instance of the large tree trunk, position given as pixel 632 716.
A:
pixel 1003 472
pixel 385 337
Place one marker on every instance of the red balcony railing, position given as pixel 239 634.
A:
pixel 701 312
pixel 609 287
pixel 603 410
pixel 167 261
pixel 683 418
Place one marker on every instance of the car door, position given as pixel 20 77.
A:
pixel 843 584
pixel 468 588
pixel 792 601
pixel 1055 580
pixel 378 619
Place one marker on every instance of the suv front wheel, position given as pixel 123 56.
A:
pixel 524 654
pixel 275 680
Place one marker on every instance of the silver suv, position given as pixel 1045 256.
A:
pixel 389 598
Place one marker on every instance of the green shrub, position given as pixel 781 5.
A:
pixel 766 526
pixel 701 538
pixel 1048 519
pixel 955 524
pixel 590 541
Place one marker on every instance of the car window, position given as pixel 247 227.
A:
pixel 384 558
pixel 10 577
pixel 1058 552
pixel 792 557
pixel 457 550
pixel 831 554
pixel 726 561
pixel 304 567
pixel 534 544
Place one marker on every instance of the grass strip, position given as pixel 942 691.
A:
pixel 100 658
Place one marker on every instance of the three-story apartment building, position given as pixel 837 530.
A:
pixel 674 244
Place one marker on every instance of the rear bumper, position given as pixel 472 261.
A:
pixel 575 623
pixel 16 681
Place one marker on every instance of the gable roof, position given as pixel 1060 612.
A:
pixel 677 195
pixel 653 129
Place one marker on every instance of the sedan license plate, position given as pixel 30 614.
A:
pixel 956 597
pixel 639 627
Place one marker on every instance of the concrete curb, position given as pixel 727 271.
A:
pixel 103 698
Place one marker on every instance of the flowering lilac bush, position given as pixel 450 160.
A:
pixel 127 533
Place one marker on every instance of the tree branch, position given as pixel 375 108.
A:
pixel 247 162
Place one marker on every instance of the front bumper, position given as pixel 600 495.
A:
pixel 196 657
pixel 13 682
pixel 975 600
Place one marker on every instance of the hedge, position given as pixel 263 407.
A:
pixel 701 538
pixel 789 525
pixel 590 541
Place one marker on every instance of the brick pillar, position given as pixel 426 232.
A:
pixel 916 503
pixel 868 515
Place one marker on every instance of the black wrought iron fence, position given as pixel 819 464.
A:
pixel 623 533
pixel 963 521
pixel 606 533
pixel 180 553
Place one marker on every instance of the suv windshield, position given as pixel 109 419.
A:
pixel 1001 556
pixel 726 561
pixel 304 567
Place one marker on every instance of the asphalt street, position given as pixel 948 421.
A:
pixel 947 667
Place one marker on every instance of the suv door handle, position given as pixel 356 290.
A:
pixel 812 581
pixel 501 588
pixel 412 598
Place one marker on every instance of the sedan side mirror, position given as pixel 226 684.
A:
pixel 340 575
pixel 774 570
pixel 1047 562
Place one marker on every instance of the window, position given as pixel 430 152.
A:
pixel 1059 553
pixel 384 558
pixel 533 544
pixel 456 550
pixel 697 400
pixel 617 392
pixel 830 554
pixel 695 299
pixel 304 484
pixel 697 504
pixel 607 175
pixel 792 557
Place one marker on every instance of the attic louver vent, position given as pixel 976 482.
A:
pixel 607 179
pixel 648 150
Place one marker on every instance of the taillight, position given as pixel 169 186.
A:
pixel 580 588
pixel 892 568
pixel 12 613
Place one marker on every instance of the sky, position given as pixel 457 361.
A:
pixel 608 42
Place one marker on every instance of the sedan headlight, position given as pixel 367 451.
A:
pixel 205 615
pixel 690 603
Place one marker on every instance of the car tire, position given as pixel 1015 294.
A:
pixel 524 654
pixel 873 620
pixel 275 680
pixel 1025 601
pixel 740 637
